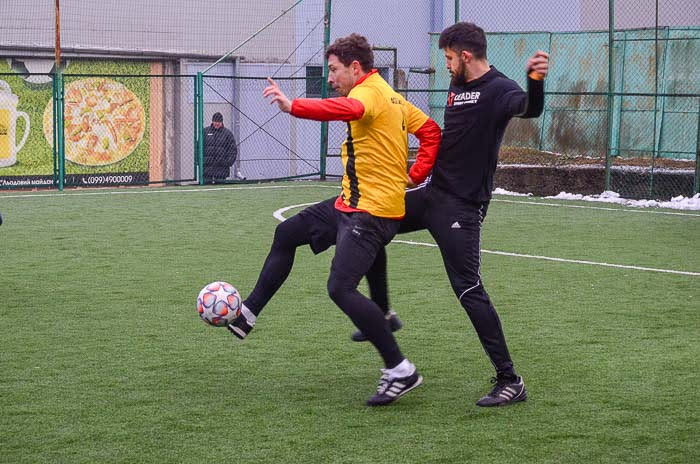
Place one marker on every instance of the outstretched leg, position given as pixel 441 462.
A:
pixel 314 226
pixel 289 235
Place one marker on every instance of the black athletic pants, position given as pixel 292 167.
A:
pixel 360 239
pixel 456 227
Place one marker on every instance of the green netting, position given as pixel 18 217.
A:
pixel 641 128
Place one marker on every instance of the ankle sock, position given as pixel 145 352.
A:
pixel 403 369
pixel 248 314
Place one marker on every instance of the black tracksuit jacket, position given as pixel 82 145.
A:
pixel 476 117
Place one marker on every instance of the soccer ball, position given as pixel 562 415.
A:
pixel 219 303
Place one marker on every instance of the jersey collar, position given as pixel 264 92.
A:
pixel 363 78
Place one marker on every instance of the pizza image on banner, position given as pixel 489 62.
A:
pixel 103 121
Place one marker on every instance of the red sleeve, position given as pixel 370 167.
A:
pixel 429 136
pixel 328 109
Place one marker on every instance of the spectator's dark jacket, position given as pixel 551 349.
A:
pixel 220 152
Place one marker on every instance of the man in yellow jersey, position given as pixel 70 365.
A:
pixel 366 215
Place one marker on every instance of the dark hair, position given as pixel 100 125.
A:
pixel 464 36
pixel 351 48
pixel 217 118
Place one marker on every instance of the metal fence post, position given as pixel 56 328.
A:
pixel 611 89
pixel 697 155
pixel 324 88
pixel 195 131
pixel 199 124
pixel 60 139
pixel 54 117
pixel 656 135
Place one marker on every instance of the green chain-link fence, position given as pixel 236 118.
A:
pixel 653 138
pixel 631 128
pixel 622 105
pixel 269 144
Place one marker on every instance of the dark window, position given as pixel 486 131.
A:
pixel 314 80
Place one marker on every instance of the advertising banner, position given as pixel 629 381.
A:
pixel 106 124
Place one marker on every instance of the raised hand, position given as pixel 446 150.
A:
pixel 277 95
pixel 538 65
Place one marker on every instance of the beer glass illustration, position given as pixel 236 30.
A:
pixel 8 125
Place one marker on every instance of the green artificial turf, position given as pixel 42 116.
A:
pixel 104 358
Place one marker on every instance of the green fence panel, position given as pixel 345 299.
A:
pixel 655 108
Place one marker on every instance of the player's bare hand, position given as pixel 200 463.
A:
pixel 273 92
pixel 409 182
pixel 538 64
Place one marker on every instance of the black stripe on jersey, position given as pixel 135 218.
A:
pixel 350 170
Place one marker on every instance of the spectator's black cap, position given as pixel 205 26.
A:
pixel 217 118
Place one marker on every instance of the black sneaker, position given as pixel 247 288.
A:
pixel 390 389
pixel 504 392
pixel 394 324
pixel 240 327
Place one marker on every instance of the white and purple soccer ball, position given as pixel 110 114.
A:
pixel 219 303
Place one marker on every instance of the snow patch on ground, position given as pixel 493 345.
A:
pixel 500 191
pixel 679 202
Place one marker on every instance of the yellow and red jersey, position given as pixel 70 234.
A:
pixel 375 151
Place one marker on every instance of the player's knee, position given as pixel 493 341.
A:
pixel 336 289
pixel 289 234
pixel 281 236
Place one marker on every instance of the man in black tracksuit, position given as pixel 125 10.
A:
pixel 453 203
pixel 220 151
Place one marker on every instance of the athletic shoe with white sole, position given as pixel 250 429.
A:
pixel 504 392
pixel 391 318
pixel 391 388
pixel 240 327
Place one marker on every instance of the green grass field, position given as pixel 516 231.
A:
pixel 104 358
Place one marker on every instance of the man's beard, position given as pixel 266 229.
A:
pixel 458 78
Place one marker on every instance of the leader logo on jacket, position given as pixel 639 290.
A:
pixel 464 98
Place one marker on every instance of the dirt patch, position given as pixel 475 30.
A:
pixel 525 170
pixel 548 181
pixel 544 174
pixel 525 156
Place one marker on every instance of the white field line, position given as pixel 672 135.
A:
pixel 563 260
pixel 265 187
pixel 279 216
pixel 157 190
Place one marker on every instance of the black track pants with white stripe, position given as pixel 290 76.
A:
pixel 456 227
